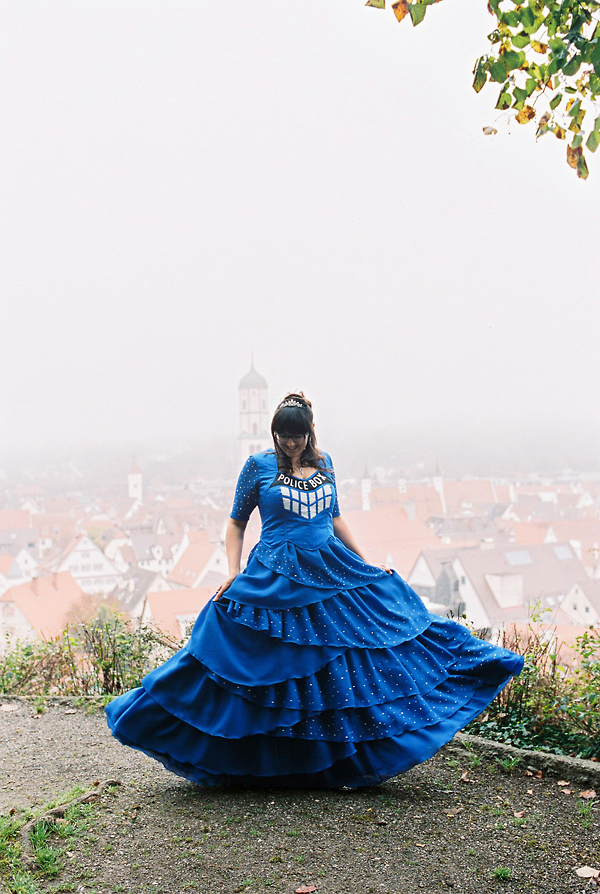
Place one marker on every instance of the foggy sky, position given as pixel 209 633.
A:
pixel 187 183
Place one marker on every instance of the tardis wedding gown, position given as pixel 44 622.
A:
pixel 314 669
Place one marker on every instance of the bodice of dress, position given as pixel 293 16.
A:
pixel 299 510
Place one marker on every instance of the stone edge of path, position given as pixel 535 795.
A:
pixel 574 769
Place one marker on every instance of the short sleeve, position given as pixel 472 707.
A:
pixel 246 491
pixel 336 506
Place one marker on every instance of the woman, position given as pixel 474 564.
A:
pixel 311 667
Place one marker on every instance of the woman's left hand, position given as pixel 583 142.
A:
pixel 385 568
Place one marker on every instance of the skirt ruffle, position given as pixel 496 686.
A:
pixel 292 679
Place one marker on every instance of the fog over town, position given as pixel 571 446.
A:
pixel 200 192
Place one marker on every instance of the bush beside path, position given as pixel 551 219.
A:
pixel 471 820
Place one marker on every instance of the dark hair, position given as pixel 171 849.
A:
pixel 294 416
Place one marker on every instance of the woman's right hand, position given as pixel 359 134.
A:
pixel 224 586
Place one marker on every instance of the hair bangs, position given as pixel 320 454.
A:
pixel 291 421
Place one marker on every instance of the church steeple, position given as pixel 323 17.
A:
pixel 254 414
pixel 134 481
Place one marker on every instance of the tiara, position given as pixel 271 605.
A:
pixel 292 402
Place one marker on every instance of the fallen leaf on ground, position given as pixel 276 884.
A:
pixel 489 131
pixel 528 773
pixel 419 845
pixel 539 775
pixel 566 791
pixel 11 812
pixel 519 813
pixel 587 872
pixel 71 711
pixel 465 777
pixel 9 707
pixel 589 794
pixel 529 791
pixel 562 782
pixel 306 889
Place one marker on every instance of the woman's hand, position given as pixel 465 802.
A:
pixel 385 568
pixel 224 586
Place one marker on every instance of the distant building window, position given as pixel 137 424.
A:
pixel 574 606
pixel 518 557
pixel 563 551
pixel 587 609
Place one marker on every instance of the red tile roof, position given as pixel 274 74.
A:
pixel 46 601
pixel 386 532
pixel 193 561
pixel 166 606
pixel 15 518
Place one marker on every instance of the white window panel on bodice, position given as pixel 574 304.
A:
pixel 307 504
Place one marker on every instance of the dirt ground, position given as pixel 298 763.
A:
pixel 447 824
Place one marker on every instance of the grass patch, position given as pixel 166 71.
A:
pixel 48 839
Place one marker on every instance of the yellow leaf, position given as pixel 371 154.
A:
pixel 559 132
pixel 539 47
pixel 489 131
pixel 378 4
pixel 572 159
pixel 587 872
pixel 570 104
pixel 589 795
pixel 400 8
pixel 525 114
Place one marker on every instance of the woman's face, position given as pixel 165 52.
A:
pixel 292 445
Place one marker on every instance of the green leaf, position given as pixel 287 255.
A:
pixel 520 40
pixel 504 101
pixel 594 84
pixel 520 95
pixel 417 12
pixel 582 168
pixel 497 72
pixel 577 141
pixel 378 4
pixel 512 60
pixel 572 66
pixel 480 76
pixel 593 141
pixel 597 124
pixel 510 18
pixel 530 85
pixel 575 109
pixel 555 101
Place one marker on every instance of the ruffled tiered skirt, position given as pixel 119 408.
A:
pixel 314 669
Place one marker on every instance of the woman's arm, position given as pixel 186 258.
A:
pixel 234 539
pixel 343 533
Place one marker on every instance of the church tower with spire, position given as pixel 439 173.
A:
pixel 134 482
pixel 254 433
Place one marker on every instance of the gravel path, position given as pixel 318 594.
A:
pixel 447 824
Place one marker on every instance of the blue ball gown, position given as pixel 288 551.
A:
pixel 314 669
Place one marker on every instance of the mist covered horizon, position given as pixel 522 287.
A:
pixel 187 186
